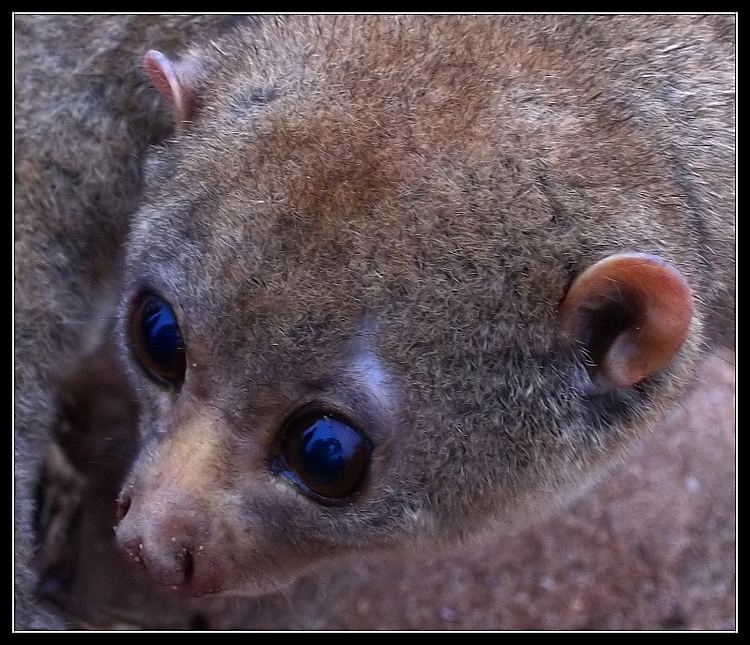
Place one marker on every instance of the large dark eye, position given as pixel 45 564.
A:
pixel 156 340
pixel 324 455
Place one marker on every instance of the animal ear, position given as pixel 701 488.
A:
pixel 174 81
pixel 630 312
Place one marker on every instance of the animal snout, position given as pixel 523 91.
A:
pixel 164 541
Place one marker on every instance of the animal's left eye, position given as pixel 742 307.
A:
pixel 324 455
pixel 156 340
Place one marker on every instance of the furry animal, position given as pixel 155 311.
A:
pixel 390 282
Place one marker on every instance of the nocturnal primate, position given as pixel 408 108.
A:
pixel 377 281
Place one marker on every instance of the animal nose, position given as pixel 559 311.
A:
pixel 170 541
pixel 168 561
pixel 167 558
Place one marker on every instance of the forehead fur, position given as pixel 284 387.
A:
pixel 343 123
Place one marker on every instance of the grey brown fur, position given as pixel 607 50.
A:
pixel 423 187
pixel 84 115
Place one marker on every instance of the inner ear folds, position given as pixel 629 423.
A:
pixel 173 81
pixel 630 312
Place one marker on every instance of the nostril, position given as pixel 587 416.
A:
pixel 185 560
pixel 123 505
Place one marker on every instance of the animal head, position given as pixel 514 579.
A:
pixel 391 283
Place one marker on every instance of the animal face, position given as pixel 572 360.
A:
pixel 343 298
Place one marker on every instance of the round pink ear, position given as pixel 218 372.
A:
pixel 166 79
pixel 631 313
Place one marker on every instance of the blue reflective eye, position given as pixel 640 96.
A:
pixel 327 455
pixel 156 340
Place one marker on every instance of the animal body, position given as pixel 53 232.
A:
pixel 387 282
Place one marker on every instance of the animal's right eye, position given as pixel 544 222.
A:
pixel 156 340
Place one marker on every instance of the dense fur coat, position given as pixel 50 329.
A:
pixel 380 213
